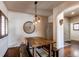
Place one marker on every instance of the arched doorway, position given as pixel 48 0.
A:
pixel 60 28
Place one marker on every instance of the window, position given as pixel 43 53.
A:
pixel 76 26
pixel 3 25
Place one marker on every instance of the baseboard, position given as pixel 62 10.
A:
pixel 74 41
pixel 67 41
pixel 13 45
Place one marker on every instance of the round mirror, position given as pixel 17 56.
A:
pixel 29 27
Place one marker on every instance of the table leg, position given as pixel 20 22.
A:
pixel 50 50
pixel 33 52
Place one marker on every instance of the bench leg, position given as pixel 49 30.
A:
pixel 53 53
pixel 57 53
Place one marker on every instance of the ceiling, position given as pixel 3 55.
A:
pixel 69 13
pixel 44 7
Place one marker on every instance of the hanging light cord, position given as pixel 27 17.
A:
pixel 37 19
pixel 35 8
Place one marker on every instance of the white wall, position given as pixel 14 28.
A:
pixel 66 29
pixel 74 34
pixel 3 41
pixel 60 32
pixel 16 33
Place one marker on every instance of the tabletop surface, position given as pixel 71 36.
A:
pixel 37 41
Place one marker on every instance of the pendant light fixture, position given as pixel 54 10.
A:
pixel 37 19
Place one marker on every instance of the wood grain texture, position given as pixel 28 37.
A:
pixel 37 41
pixel 13 52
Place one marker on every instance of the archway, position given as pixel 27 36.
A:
pixel 60 28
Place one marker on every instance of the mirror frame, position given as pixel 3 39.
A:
pixel 31 28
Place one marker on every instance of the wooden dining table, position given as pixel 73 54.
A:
pixel 35 42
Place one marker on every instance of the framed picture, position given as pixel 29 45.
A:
pixel 76 26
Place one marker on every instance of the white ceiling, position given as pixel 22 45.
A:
pixel 45 8
pixel 69 13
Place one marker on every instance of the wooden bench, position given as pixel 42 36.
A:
pixel 24 51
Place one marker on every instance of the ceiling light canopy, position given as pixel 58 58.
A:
pixel 73 13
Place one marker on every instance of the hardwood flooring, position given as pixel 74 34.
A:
pixel 69 51
pixel 65 52
pixel 12 52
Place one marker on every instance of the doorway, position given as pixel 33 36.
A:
pixel 50 31
pixel 67 40
pixel 71 32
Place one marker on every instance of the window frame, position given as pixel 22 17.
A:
pixel 6 22
pixel 76 29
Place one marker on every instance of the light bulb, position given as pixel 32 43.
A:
pixel 39 21
pixel 35 22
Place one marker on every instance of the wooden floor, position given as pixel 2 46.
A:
pixel 69 51
pixel 13 52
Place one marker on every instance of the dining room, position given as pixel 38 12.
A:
pixel 30 26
